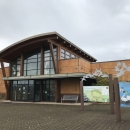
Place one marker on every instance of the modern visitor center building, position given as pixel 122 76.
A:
pixel 47 66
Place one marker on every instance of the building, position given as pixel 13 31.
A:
pixel 47 66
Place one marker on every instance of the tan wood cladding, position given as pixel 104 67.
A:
pixel 120 69
pixel 74 66
pixel 70 86
pixel 2 86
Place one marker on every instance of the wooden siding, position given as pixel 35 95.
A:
pixel 74 66
pixel 2 85
pixel 120 69
pixel 70 86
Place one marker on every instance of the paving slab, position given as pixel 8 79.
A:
pixel 32 116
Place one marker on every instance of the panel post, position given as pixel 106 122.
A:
pixel 81 95
pixel 117 100
pixel 111 94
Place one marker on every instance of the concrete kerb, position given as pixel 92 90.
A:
pixel 49 103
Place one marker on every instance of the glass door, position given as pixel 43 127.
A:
pixel 24 96
pixel 37 91
pixel 19 93
pixel 48 90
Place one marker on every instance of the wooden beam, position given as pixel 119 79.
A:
pixel 42 61
pixel 21 65
pixel 53 59
pixel 4 60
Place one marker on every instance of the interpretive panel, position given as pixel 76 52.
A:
pixel 124 94
pixel 96 93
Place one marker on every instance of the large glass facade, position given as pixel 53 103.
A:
pixel 48 63
pixel 33 90
pixel 16 67
pixel 32 62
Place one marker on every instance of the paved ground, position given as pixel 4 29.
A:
pixel 17 116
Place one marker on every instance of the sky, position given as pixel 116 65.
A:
pixel 99 27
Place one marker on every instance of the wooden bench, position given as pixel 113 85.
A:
pixel 69 98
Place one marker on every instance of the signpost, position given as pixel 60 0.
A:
pixel 117 100
pixel 111 97
pixel 81 95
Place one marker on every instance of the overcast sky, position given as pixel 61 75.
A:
pixel 99 27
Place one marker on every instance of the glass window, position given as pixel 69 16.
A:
pixel 52 71
pixel 67 53
pixel 18 73
pixel 25 65
pixel 47 64
pixel 38 72
pixel 62 54
pixel 31 81
pixel 31 66
pixel 46 71
pixel 30 56
pixel 14 67
pixel 32 72
pixel 18 62
pixel 47 58
pixel 63 51
pixel 14 82
pixel 47 54
pixel 47 51
pixel 39 55
pixel 62 58
pixel 32 60
pixel 38 82
pixel 67 56
pixel 52 64
pixel 18 67
pixel 39 65
pixel 20 81
pixel 52 81
pixel 72 56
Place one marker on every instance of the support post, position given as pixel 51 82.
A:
pixel 111 97
pixel 52 53
pixel 117 100
pixel 81 95
pixel 42 61
pixel 21 65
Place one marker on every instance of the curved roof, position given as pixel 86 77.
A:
pixel 25 44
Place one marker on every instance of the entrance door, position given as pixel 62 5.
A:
pixel 22 92
pixel 19 93
pixel 37 90
pixel 49 90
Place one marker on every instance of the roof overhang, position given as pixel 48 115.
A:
pixel 37 41
pixel 50 76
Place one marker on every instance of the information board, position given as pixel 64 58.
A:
pixel 124 88
pixel 96 93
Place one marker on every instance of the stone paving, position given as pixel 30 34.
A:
pixel 19 116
